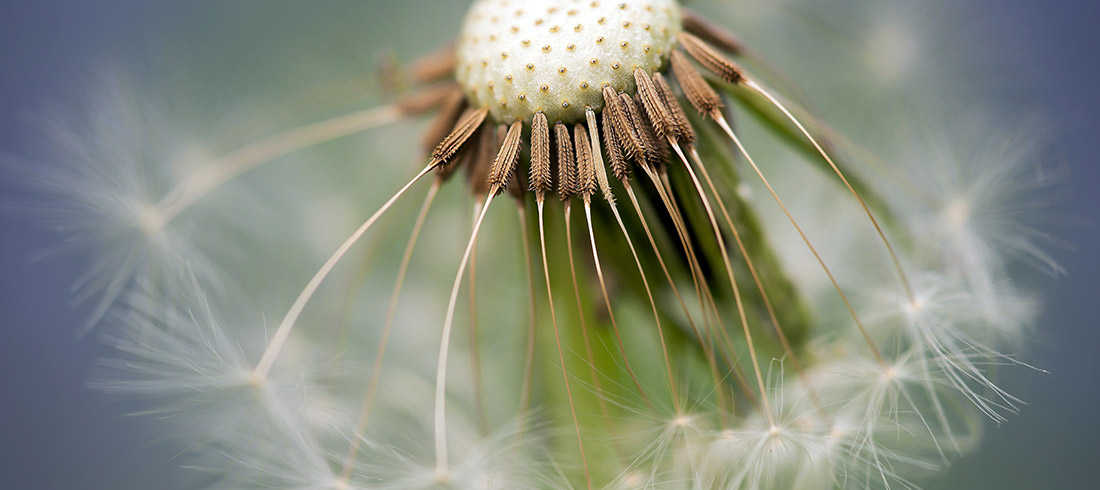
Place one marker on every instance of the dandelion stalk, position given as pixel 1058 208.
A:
pixel 443 152
pixel 383 341
pixel 821 151
pixel 282 332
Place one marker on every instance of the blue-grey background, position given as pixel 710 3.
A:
pixel 56 434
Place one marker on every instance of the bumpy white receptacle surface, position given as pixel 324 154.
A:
pixel 519 57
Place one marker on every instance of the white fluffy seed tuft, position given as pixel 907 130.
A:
pixel 520 57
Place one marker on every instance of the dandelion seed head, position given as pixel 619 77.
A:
pixel 609 44
pixel 862 375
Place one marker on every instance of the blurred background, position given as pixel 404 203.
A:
pixel 57 434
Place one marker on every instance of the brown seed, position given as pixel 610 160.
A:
pixel 462 159
pixel 505 163
pixel 586 170
pixel 619 167
pixel 629 140
pixel 466 126
pixel 514 183
pixel 540 181
pixel 653 105
pixel 710 58
pixel 638 124
pixel 567 164
pixel 685 134
pixel 657 158
pixel 697 90
pixel 723 39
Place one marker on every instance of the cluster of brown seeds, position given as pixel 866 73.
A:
pixel 632 130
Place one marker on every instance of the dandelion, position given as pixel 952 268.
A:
pixel 730 307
